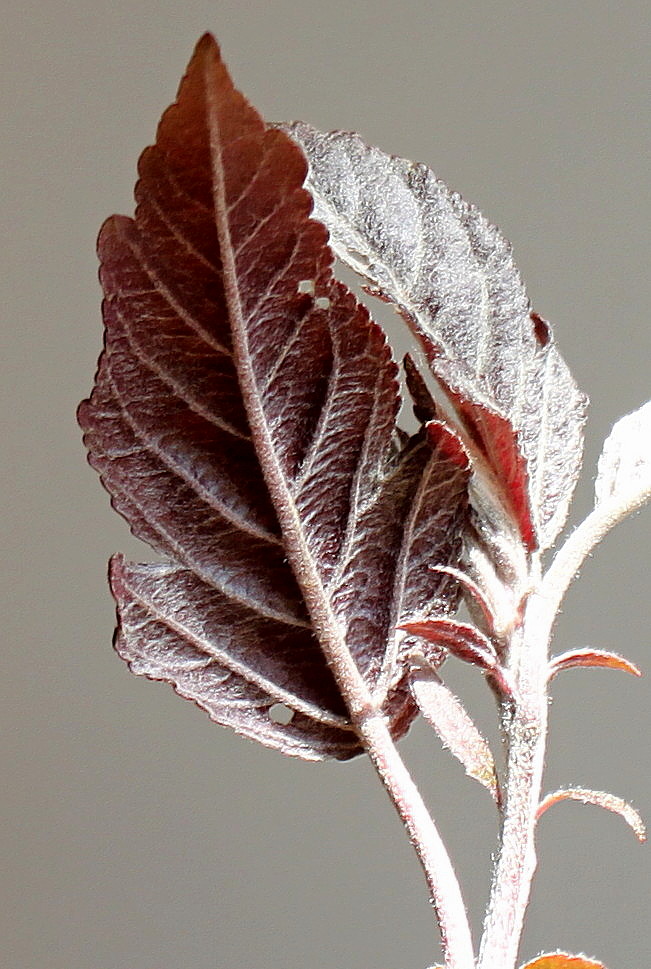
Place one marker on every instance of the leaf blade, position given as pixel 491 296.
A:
pixel 244 424
pixel 226 684
pixel 625 463
pixel 461 639
pixel 455 729
pixel 600 799
pixel 453 277
pixel 592 658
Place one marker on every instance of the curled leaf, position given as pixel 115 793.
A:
pixel 561 960
pixel 244 422
pixel 592 658
pixel 456 730
pixel 599 799
pixel 625 464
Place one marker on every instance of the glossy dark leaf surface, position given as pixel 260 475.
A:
pixel 243 421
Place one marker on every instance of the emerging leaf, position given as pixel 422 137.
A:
pixel 592 658
pixel 459 638
pixel 455 729
pixel 561 960
pixel 625 463
pixel 482 611
pixel 599 799
pixel 243 421
pixel 451 274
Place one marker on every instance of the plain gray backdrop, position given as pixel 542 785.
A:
pixel 137 834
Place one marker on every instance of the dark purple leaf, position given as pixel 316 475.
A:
pixel 243 421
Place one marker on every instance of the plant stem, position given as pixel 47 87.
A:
pixel 445 893
pixel 524 721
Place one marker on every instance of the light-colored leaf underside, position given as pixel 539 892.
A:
pixel 625 463
pixel 456 730
pixel 452 275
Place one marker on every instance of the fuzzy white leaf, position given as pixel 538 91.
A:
pixel 452 275
pixel 625 462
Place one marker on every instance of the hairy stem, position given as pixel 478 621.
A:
pixel 524 720
pixel 525 728
pixel 445 893
pixel 444 887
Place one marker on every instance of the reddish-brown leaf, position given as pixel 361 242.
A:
pixel 592 658
pixel 243 421
pixel 460 638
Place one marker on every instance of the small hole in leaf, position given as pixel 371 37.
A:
pixel 279 713
pixel 322 303
pixel 306 286
pixel 359 257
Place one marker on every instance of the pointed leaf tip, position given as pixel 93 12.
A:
pixel 448 443
pixel 460 639
pixel 235 413
pixel 561 960
pixel 424 406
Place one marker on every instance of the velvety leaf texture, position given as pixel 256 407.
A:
pixel 456 730
pixel 461 639
pixel 600 799
pixel 452 275
pixel 625 462
pixel 243 421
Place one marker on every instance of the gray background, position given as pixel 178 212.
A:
pixel 138 835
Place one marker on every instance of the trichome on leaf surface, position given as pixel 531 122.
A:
pixel 244 420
